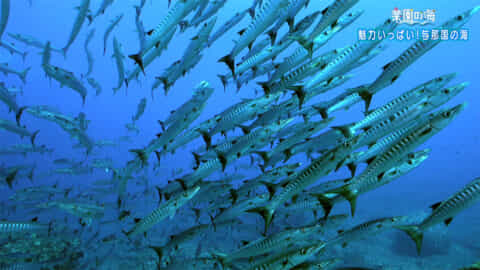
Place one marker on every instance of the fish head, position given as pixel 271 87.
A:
pixel 444 117
pixel 461 19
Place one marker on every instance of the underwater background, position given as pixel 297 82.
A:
pixel 452 163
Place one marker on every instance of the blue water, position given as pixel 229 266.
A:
pixel 455 150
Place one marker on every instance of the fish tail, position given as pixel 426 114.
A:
pixel 326 203
pixel 415 233
pixel 322 111
pixel 33 137
pixel 265 86
pixel 352 167
pixel 346 130
pixel 263 155
pixel 138 59
pixel 207 138
pixel 251 12
pixel 64 52
pixel 272 188
pixel 183 26
pixel 273 36
pixel 23 74
pixel 220 257
pixel 24 56
pixel 348 194
pixel 223 159
pixel 229 61
pixel 224 81
pixel 11 177
pixel 19 114
pixel 288 154
pixel 141 154
pixel 158 251
pixel 197 158
pixel 299 90
pixel 266 213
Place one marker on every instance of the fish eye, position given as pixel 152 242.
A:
pixel 389 20
pixel 446 91
pixel 459 17
pixel 410 162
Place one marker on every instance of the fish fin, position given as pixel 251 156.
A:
pixel 23 74
pixel 326 203
pixel 435 205
pixel 242 31
pixel 415 234
pixel 19 114
pixel 345 129
pixel 224 81
pixel 33 137
pixel 207 138
pixel 138 59
pixel 266 213
pixel 223 159
pixel 273 36
pixel 352 167
pixel 229 61
pixel 264 155
pixel 182 183
pixel 11 177
pixel 141 154
pixel 448 221
pixel 245 129
pixel 158 251
pixel 367 98
pixel 161 125
pixel 233 195
pixel 288 154
pixel 291 24
pixel 299 91
pixel 322 111
pixel 158 156
pixel 265 86
pixel 272 188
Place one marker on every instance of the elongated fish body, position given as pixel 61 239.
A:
pixel 77 25
pixel 10 101
pixel 406 99
pixel 30 41
pixel 167 209
pixel 109 30
pixel 202 93
pixel 240 113
pixel 302 134
pixel 174 16
pixel 101 10
pixel 140 27
pixel 270 52
pixel 140 109
pixel 14 128
pixel 444 95
pixel 241 207
pixel 319 264
pixel 309 175
pixel 119 56
pixel 348 57
pixel 12 49
pixel 419 133
pixel 153 54
pixel 265 16
pixel 394 121
pixel 392 71
pixel 8 227
pixel 88 52
pixel 22 75
pixel 297 58
pixel 237 18
pixel 364 230
pixel 93 83
pixel 353 187
pixel 445 211
pixel 288 260
pixel 65 77
pixel 199 41
pixel 212 8
pixel 288 14
pixel 5 14
pixel 331 14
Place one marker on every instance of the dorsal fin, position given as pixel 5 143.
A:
pixel 435 205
